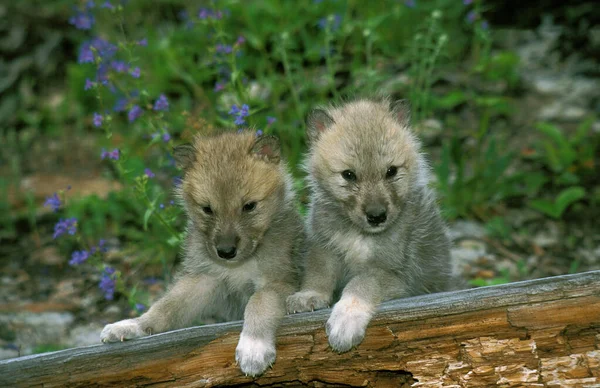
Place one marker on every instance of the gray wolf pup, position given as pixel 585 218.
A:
pixel 374 231
pixel 240 253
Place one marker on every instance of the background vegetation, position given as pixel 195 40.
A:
pixel 96 93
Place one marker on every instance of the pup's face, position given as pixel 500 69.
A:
pixel 365 159
pixel 232 188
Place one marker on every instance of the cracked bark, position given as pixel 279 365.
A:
pixel 541 333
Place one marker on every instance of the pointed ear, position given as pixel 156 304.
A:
pixel 267 147
pixel 317 122
pixel 401 111
pixel 184 155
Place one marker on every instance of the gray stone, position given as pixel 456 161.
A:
pixel 465 229
pixel 34 329
pixel 83 335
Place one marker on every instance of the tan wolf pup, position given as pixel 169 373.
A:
pixel 240 253
pixel 374 230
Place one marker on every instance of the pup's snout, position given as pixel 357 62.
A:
pixel 376 214
pixel 227 246
pixel 227 252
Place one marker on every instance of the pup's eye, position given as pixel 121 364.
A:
pixel 249 206
pixel 391 172
pixel 207 210
pixel 349 175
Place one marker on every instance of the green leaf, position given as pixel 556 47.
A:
pixel 544 206
pixel 565 198
pixel 568 197
pixel 147 215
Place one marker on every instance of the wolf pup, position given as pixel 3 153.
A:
pixel 374 229
pixel 243 234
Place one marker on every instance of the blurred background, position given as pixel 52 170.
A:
pixel 505 96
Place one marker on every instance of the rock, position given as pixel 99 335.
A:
pixel 466 254
pixel 48 256
pixel 6 353
pixel 84 335
pixel 35 329
pixel 547 237
pixel 465 229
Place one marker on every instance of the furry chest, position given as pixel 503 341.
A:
pixel 243 277
pixel 354 247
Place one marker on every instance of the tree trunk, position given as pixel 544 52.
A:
pixel 539 333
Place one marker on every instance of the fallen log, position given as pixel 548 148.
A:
pixel 538 333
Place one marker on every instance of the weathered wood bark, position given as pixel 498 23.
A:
pixel 541 333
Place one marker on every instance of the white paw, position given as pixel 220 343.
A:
pixel 347 324
pixel 306 301
pixel 122 330
pixel 254 355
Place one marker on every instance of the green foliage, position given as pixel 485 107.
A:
pixel 294 56
pixel 469 182
pixel 556 208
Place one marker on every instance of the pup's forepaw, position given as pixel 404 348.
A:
pixel 347 324
pixel 306 301
pixel 254 355
pixel 122 330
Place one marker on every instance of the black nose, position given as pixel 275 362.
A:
pixel 226 252
pixel 376 215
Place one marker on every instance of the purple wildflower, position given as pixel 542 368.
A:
pixel 467 2
pixel 102 73
pixel 134 113
pixel 410 3
pixel 471 17
pixel 53 202
pixel 119 66
pixel 333 22
pixel 177 181
pixel 223 49
pixel 142 42
pixel 88 84
pixel 161 206
pixel 270 120
pixel 171 202
pixel 135 72
pixel 161 103
pixel 107 5
pixel 85 54
pixel 120 104
pixel 239 113
pixel 114 154
pixel 79 257
pixel 108 283
pixel 102 245
pixel 149 173
pixel 82 20
pixel 97 120
pixel 259 133
pixel 166 137
pixel 139 307
pixel 204 13
pixel 63 226
pixel 485 25
pixel 240 40
pixel 219 86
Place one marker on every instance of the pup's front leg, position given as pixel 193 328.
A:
pixel 256 348
pixel 176 309
pixel 320 279
pixel 351 314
